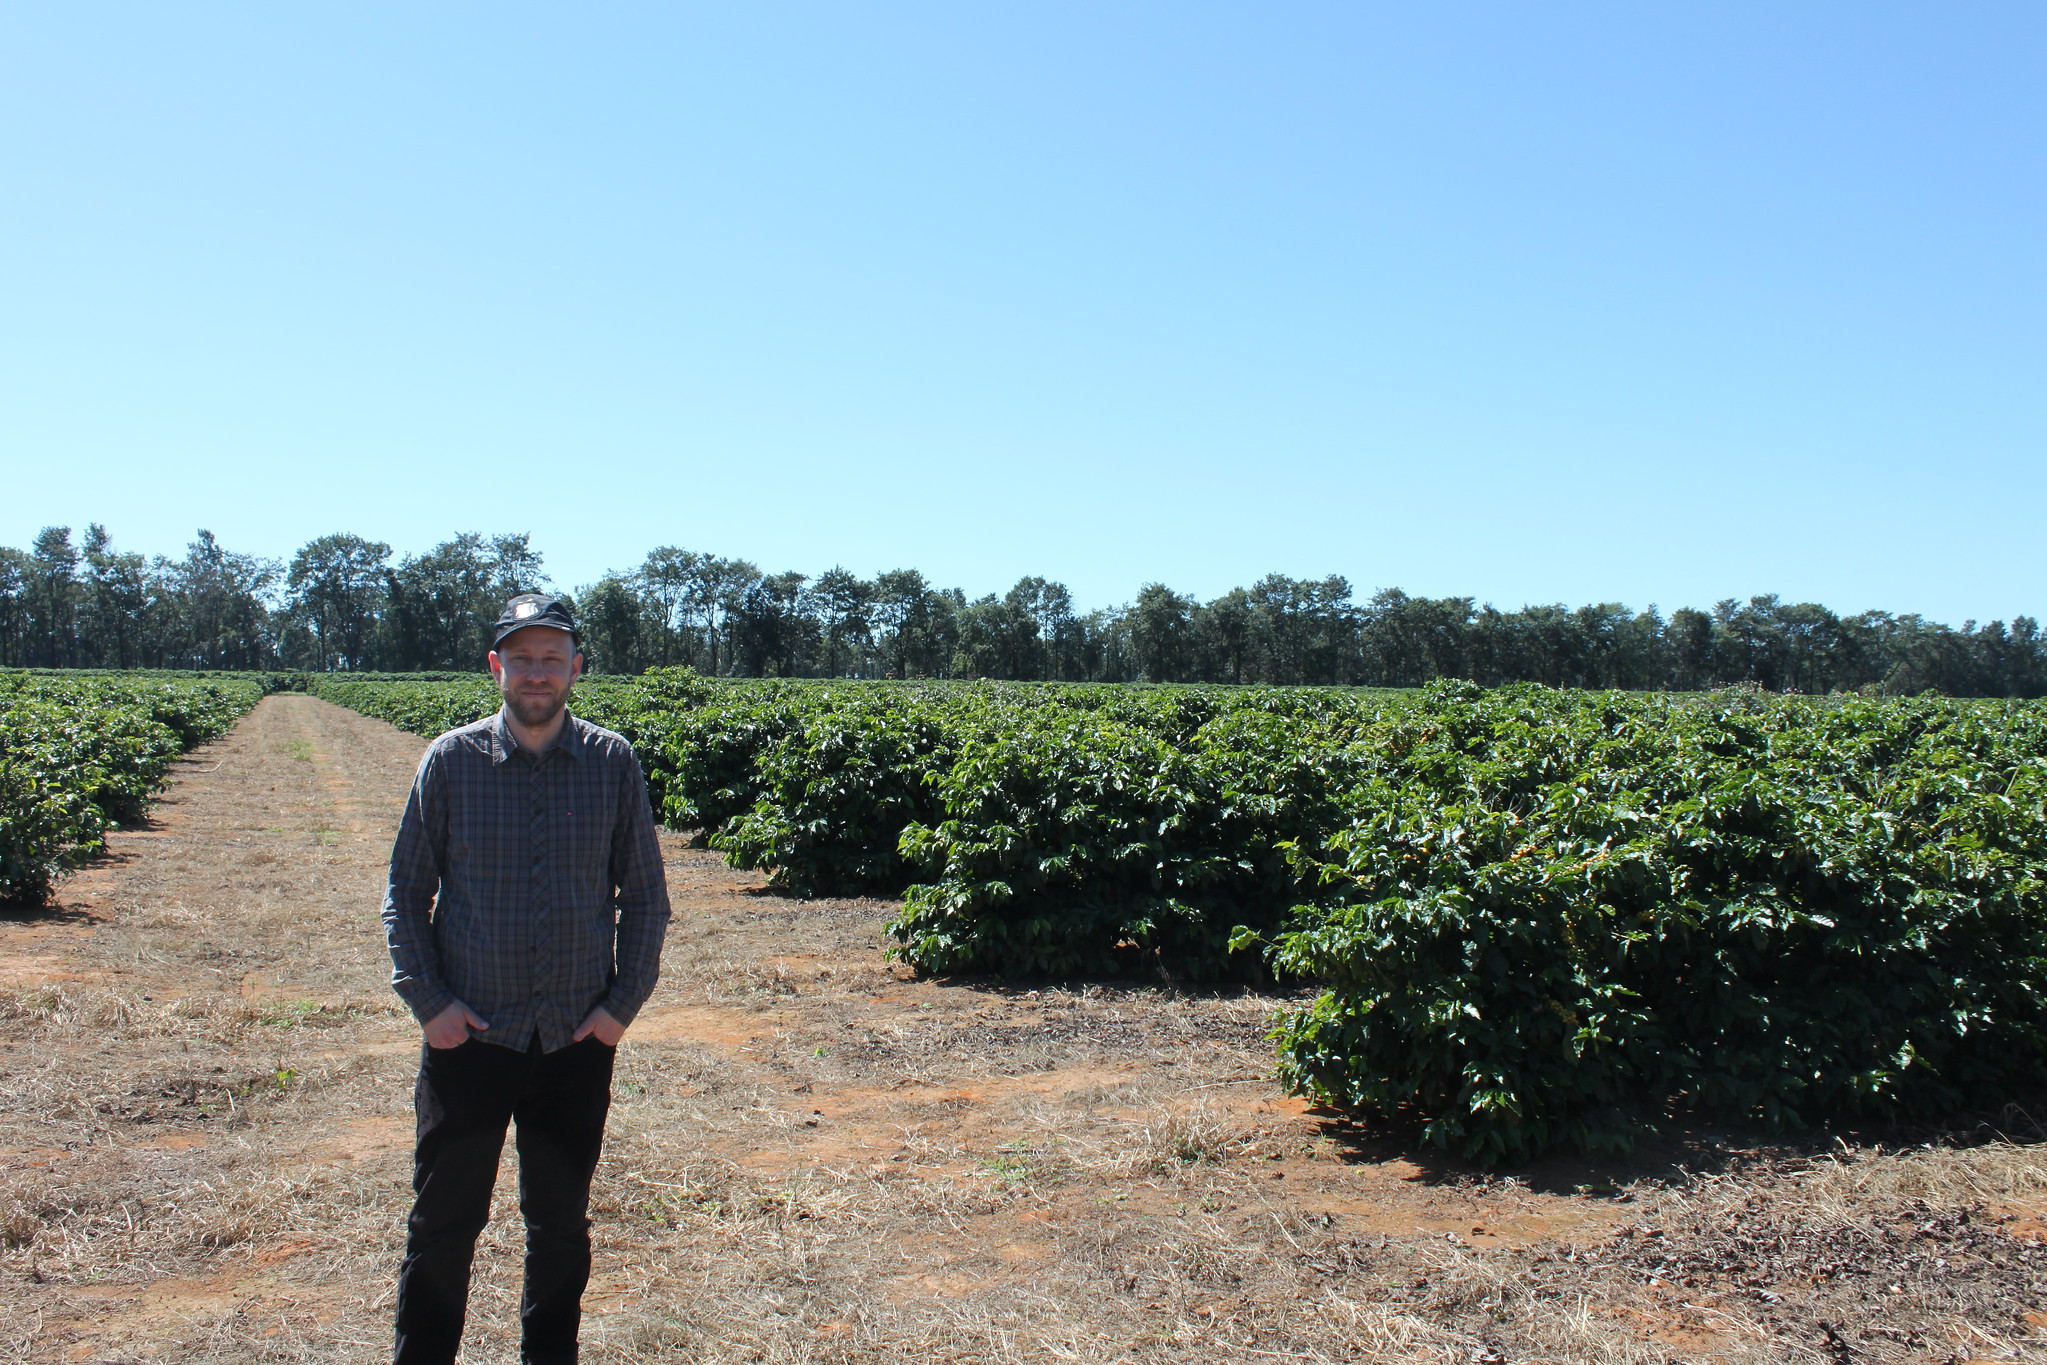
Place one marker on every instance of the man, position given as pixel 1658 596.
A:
pixel 529 836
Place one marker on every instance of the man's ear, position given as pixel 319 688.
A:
pixel 576 666
pixel 497 667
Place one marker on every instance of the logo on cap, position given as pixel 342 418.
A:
pixel 526 609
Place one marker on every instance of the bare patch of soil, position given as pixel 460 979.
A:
pixel 205 1123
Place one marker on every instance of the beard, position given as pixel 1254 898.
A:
pixel 534 712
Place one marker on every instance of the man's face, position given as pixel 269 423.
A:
pixel 535 668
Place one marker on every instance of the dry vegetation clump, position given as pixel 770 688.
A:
pixel 793 1275
pixel 1887 1255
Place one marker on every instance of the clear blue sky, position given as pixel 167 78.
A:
pixel 1530 302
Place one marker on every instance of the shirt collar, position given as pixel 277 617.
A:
pixel 571 741
pixel 503 744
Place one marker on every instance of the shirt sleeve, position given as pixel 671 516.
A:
pixel 641 897
pixel 416 865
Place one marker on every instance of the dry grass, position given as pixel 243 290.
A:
pixel 204 1105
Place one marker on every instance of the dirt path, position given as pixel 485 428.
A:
pixel 812 1157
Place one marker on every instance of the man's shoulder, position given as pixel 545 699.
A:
pixel 473 738
pixel 596 739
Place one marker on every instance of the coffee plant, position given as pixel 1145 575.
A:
pixel 1555 918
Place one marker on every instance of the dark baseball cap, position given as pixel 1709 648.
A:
pixel 535 609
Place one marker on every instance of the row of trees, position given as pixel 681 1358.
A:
pixel 341 603
pixel 344 603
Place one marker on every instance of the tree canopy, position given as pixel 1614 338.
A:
pixel 344 603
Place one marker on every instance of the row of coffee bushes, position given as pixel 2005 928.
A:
pixel 82 753
pixel 1539 917
pixel 1553 918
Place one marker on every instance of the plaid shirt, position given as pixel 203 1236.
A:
pixel 551 895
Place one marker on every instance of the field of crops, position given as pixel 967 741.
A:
pixel 81 753
pixel 1538 918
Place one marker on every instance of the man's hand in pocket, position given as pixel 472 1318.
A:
pixel 601 1026
pixel 450 1028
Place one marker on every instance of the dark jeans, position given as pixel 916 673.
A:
pixel 464 1098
